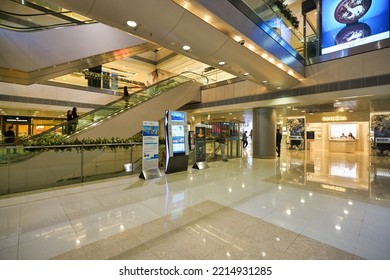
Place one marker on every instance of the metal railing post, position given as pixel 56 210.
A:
pixel 131 159
pixel 82 162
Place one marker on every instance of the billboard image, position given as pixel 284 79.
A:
pixel 349 23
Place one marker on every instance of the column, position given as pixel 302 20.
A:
pixel 264 133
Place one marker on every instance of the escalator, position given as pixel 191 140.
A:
pixel 123 118
pixel 60 40
pixel 29 170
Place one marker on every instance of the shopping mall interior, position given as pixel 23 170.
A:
pixel 236 66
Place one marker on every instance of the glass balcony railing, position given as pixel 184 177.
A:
pixel 283 26
pixel 276 23
pixel 71 164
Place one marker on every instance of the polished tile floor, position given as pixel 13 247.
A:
pixel 304 205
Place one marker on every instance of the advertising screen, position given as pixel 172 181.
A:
pixel 178 139
pixel 349 23
pixel 177 116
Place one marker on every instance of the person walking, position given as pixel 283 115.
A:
pixel 278 141
pixel 244 140
pixel 222 143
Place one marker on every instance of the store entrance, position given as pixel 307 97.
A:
pixel 21 130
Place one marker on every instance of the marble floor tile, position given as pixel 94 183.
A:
pixel 288 208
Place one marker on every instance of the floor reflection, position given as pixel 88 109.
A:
pixel 354 175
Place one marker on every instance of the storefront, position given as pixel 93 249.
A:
pixel 341 132
pixel 27 126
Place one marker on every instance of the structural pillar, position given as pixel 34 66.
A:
pixel 264 133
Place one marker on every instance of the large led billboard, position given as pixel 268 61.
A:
pixel 350 23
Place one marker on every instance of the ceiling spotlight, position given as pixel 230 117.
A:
pixel 131 23
pixel 242 42
pixel 222 63
pixel 186 48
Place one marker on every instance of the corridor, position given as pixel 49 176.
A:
pixel 303 205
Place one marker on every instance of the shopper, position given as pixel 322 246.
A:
pixel 68 126
pixel 10 138
pixel 244 140
pixel 125 92
pixel 74 119
pixel 278 141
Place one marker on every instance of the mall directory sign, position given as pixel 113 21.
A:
pixel 350 23
pixel 150 150
pixel 176 138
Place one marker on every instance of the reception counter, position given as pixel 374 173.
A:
pixel 342 145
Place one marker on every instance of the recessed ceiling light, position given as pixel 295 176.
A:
pixel 186 48
pixel 246 74
pixel 131 23
pixel 222 63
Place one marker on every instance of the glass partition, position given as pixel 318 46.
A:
pixel 278 23
pixel 63 165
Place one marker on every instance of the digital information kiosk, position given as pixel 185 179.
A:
pixel 176 138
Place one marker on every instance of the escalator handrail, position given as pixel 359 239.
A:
pixel 42 27
pixel 195 74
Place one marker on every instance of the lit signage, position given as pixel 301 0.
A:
pixel 334 119
pixel 334 188
pixel 350 23
pixel 17 120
